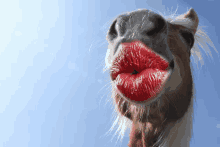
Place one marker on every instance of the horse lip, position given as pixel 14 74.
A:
pixel 171 64
pixel 150 100
pixel 170 67
pixel 169 70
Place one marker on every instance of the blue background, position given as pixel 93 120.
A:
pixel 53 92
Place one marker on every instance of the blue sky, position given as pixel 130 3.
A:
pixel 53 92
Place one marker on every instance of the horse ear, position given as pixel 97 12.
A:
pixel 191 14
pixel 189 20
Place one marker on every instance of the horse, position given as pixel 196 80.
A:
pixel 148 58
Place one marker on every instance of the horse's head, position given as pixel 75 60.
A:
pixel 149 60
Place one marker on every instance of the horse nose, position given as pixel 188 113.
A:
pixel 147 23
pixel 156 25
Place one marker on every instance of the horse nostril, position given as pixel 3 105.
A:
pixel 159 24
pixel 118 27
pixel 112 31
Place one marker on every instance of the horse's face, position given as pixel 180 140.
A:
pixel 150 69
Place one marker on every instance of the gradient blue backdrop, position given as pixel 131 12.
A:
pixel 53 92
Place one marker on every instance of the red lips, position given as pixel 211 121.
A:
pixel 150 71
